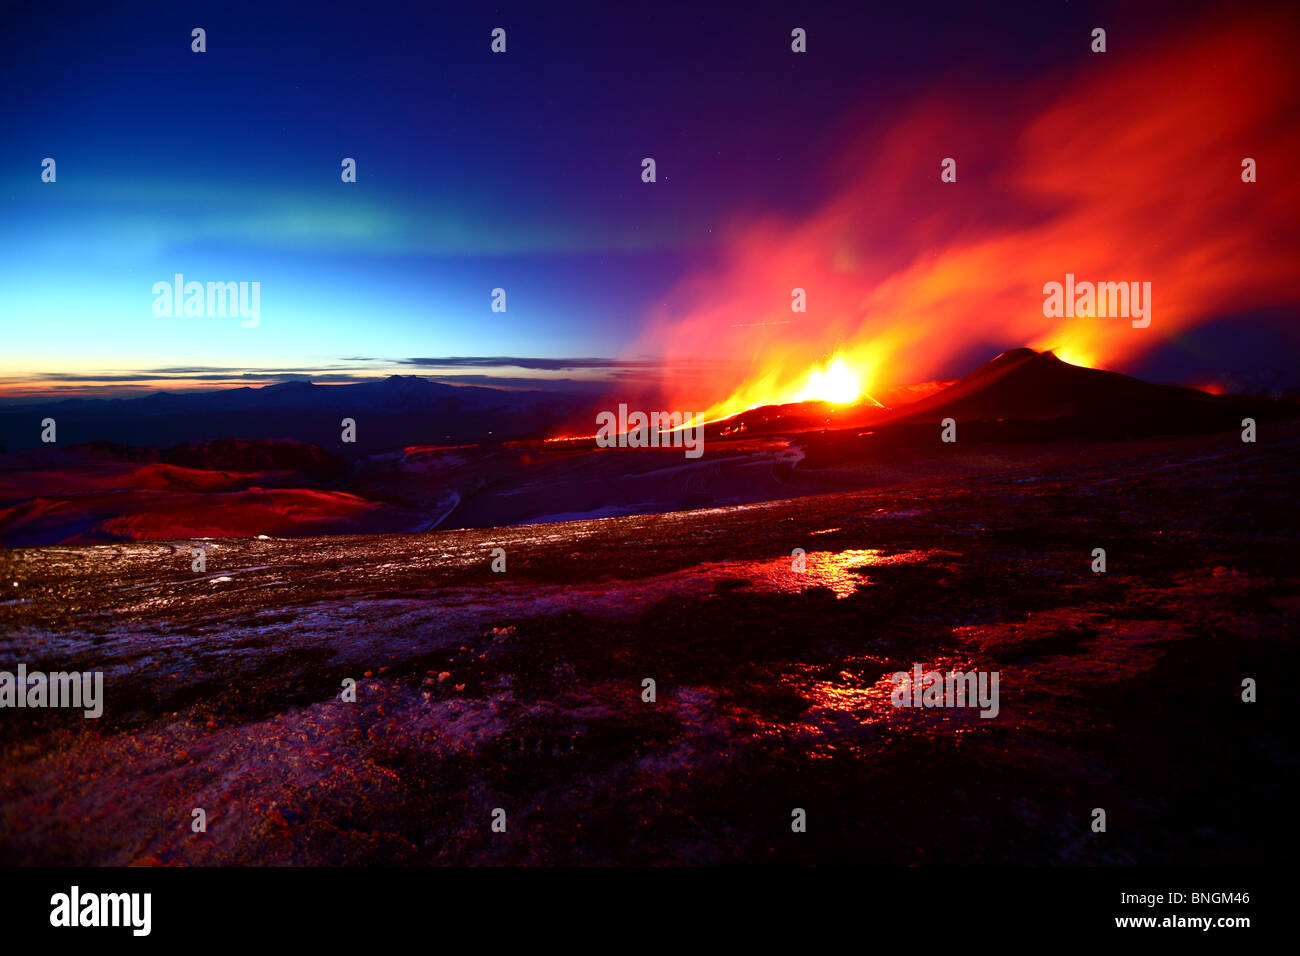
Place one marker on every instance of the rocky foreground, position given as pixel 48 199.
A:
pixel 523 690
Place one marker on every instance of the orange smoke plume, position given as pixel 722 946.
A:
pixel 1128 171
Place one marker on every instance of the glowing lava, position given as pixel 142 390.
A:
pixel 836 383
pixel 843 379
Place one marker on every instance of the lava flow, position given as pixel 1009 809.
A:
pixel 842 380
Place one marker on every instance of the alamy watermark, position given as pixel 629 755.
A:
pixel 81 690
pixel 75 908
pixel 198 300
pixel 1127 300
pixel 954 689
pixel 651 430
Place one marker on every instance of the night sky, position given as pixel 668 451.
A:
pixel 475 171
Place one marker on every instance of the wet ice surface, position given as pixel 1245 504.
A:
pixel 523 690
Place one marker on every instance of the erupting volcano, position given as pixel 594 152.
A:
pixel 895 277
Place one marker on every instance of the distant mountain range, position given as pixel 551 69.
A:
pixel 389 413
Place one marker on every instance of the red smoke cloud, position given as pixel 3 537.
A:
pixel 1129 170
